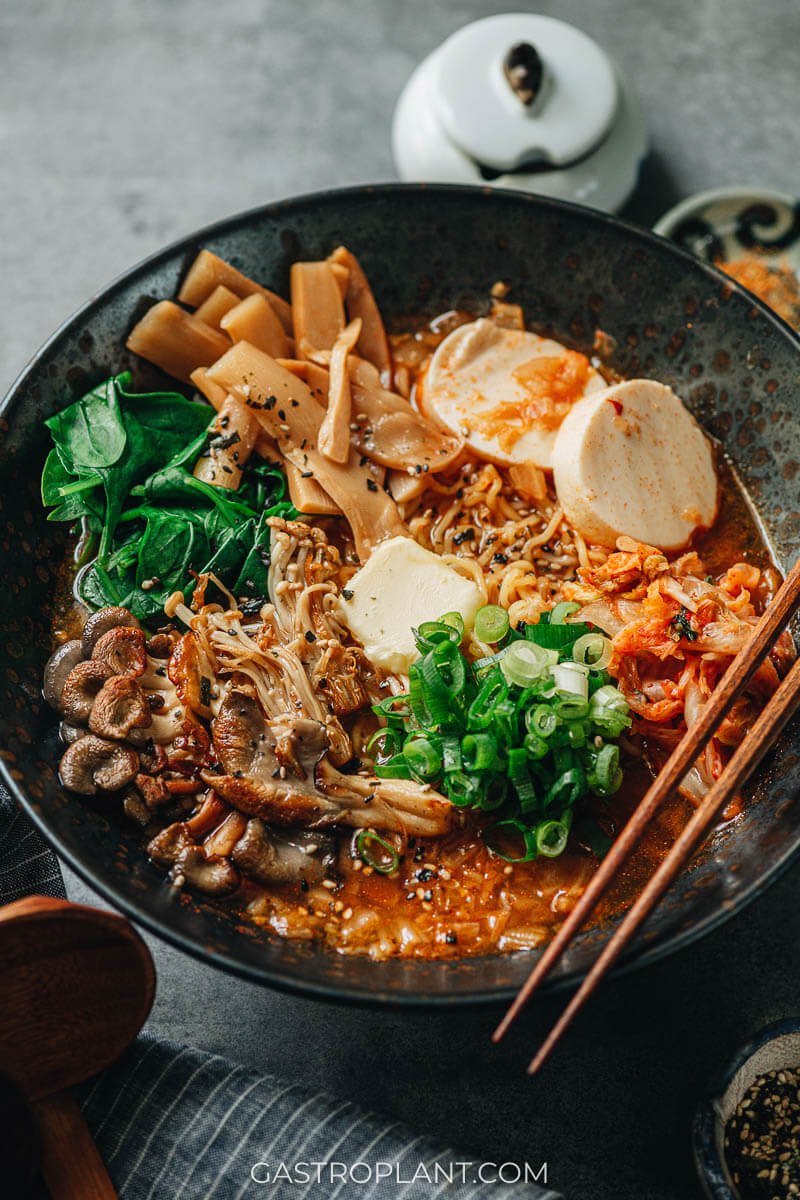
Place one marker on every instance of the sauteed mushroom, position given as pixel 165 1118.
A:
pixel 81 688
pixel 99 624
pixel 120 706
pixel 173 847
pixel 122 649
pixel 273 856
pixel 56 670
pixel 70 733
pixel 94 764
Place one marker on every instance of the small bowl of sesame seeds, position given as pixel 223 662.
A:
pixel 746 1133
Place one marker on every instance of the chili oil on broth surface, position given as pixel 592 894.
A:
pixel 450 896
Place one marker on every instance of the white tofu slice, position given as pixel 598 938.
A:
pixel 505 390
pixel 632 460
pixel 400 586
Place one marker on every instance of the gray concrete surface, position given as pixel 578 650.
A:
pixel 127 123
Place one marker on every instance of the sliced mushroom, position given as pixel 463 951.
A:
pixel 174 847
pixel 100 622
pixel 93 764
pixel 272 856
pixel 122 649
pixel 81 688
pixel 70 733
pixel 120 706
pixel 135 808
pixel 57 668
pixel 279 772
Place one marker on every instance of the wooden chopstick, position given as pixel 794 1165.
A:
pixel 761 736
pixel 683 756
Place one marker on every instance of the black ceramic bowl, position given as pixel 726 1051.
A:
pixel 425 249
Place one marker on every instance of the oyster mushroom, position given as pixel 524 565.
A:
pixel 279 772
pixel 122 649
pixel 99 624
pixel 81 688
pixel 57 668
pixel 119 707
pixel 283 856
pixel 93 764
pixel 173 847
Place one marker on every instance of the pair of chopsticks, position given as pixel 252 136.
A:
pixel 759 739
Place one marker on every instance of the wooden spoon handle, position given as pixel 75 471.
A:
pixel 71 1165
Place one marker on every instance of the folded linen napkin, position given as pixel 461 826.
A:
pixel 175 1123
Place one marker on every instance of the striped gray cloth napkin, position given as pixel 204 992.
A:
pixel 175 1123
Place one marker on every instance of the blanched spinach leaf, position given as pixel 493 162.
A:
pixel 122 462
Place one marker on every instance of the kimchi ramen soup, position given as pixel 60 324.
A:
pixel 382 638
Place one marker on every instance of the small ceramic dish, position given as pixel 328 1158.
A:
pixel 772 1049
pixel 734 224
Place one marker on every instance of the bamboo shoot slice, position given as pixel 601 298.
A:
pixel 317 309
pixel 334 434
pixel 176 341
pixel 253 320
pixel 209 270
pixel 216 305
pixel 288 411
pixel 373 343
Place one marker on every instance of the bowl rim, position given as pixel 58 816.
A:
pixel 265 975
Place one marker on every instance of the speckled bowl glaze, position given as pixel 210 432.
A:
pixel 425 249
pixel 771 1049
pixel 725 223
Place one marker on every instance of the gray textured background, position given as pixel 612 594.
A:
pixel 127 123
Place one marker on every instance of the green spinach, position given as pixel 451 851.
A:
pixel 121 464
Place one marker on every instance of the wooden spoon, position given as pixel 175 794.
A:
pixel 77 985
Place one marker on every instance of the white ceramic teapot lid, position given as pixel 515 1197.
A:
pixel 525 102
pixel 570 112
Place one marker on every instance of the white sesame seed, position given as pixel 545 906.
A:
pixel 328 883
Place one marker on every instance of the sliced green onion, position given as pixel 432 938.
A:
pixel 609 696
pixel 377 853
pixel 568 788
pixel 516 826
pixel 395 768
pixel 593 650
pixel 479 752
pixel 571 707
pixel 451 752
pixel 559 614
pixel 433 633
pixel 463 789
pixel 542 721
pixel 606 775
pixel 535 746
pixel 552 836
pixel 421 756
pixel 572 678
pixel 520 777
pixel 383 743
pixel 479 714
pixel 396 709
pixel 455 620
pixel 491 624
pixel 576 734
pixel 524 662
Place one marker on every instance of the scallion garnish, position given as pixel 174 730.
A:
pixel 528 731
pixel 491 624
pixel 376 853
